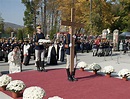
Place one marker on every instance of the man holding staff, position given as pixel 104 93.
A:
pixel 67 45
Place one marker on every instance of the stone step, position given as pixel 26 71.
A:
pixel 4 96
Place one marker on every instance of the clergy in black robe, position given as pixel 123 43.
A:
pixel 51 58
pixel 1 54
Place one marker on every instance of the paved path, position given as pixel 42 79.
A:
pixel 117 60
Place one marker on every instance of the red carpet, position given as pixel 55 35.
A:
pixel 88 86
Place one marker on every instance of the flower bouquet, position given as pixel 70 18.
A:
pixel 33 92
pixel 124 73
pixel 15 87
pixel 55 97
pixel 108 70
pixel 82 65
pixel 94 67
pixel 4 81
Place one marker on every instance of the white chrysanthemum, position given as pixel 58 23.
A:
pixel 33 92
pixel 94 66
pixel 55 97
pixel 124 73
pixel 5 80
pixel 16 86
pixel 82 64
pixel 108 69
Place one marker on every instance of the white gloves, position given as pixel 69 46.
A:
pixel 70 45
pixel 74 36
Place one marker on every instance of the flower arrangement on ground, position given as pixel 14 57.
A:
pixel 124 73
pixel 108 69
pixel 33 92
pixel 82 65
pixel 5 80
pixel 94 67
pixel 55 97
pixel 16 86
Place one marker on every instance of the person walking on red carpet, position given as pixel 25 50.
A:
pixel 39 50
pixel 67 45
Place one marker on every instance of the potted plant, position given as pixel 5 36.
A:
pixel 16 86
pixel 94 67
pixel 124 73
pixel 55 97
pixel 33 92
pixel 4 81
pixel 108 70
pixel 82 65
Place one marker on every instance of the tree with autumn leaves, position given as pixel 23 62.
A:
pixel 112 14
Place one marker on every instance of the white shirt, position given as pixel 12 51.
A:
pixel 25 49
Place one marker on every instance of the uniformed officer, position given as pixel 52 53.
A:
pixel 39 50
pixel 71 76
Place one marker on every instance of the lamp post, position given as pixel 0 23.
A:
pixel 90 16
pixel 1 25
pixel 43 17
pixel 45 27
pixel 0 34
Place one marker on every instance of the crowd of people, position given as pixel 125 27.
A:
pixel 18 53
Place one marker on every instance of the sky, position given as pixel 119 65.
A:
pixel 12 11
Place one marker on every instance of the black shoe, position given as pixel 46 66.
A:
pixel 70 78
pixel 74 79
pixel 38 69
pixel 43 69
